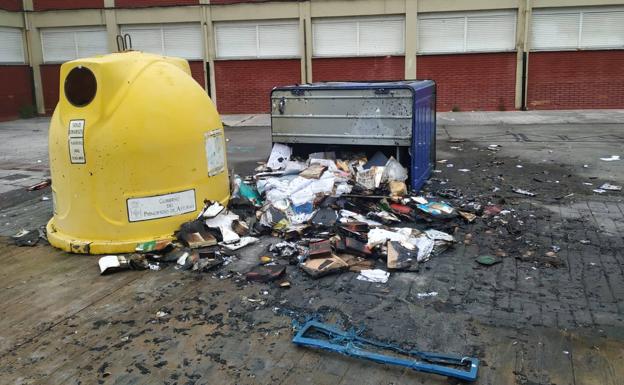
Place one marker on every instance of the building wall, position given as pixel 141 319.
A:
pixel 475 81
pixel 244 86
pixel 220 2
pixel 576 79
pixel 50 74
pixel 11 5
pixel 358 68
pixel 16 91
pixel 44 5
pixel 152 3
pixel 197 71
pixel 480 81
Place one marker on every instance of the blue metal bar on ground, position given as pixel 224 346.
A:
pixel 347 343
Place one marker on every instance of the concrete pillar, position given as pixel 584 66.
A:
pixel 112 29
pixel 411 38
pixel 522 46
pixel 35 54
pixel 305 41
pixel 210 52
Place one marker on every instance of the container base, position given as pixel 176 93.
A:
pixel 75 245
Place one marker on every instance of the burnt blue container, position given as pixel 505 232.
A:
pixel 389 114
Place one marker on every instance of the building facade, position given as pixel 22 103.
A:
pixel 484 54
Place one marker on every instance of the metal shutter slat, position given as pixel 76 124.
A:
pixel 12 48
pixel 183 41
pixel 145 38
pixel 278 40
pixel 90 43
pixel 554 30
pixel 335 38
pixel 441 35
pixel 236 40
pixel 382 37
pixel 58 46
pixel 603 30
pixel 491 33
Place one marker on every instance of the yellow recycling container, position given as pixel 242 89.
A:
pixel 136 146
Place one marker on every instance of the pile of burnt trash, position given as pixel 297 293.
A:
pixel 331 213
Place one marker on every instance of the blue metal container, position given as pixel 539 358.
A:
pixel 390 114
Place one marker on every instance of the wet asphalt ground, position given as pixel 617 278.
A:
pixel 531 319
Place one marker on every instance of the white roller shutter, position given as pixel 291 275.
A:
pixel 91 43
pixel 264 39
pixel 236 40
pixel 180 40
pixel 278 40
pixel 58 46
pixel 335 38
pixel 603 29
pixel 358 36
pixel 146 38
pixel 440 35
pixel 382 37
pixel 555 31
pixel 577 28
pixel 11 46
pixel 491 32
pixel 63 44
pixel 183 41
pixel 452 32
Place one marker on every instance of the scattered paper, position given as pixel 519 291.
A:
pixel 611 158
pixel 280 154
pixel 242 242
pixel 610 187
pixel 524 192
pixel 425 295
pixel 223 222
pixel 374 275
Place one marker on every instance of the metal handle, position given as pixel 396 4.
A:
pixel 124 43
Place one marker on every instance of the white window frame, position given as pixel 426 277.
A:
pixel 357 20
pixel 466 16
pixel 257 25
pixel 22 54
pixel 581 11
pixel 161 27
pixel 73 31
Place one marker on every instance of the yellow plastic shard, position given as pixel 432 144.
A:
pixel 136 145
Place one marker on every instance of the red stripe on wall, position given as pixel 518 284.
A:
pixel 50 74
pixel 465 82
pixel 576 79
pixel 11 5
pixel 244 86
pixel 46 5
pixel 358 68
pixel 197 71
pixel 152 3
pixel 16 90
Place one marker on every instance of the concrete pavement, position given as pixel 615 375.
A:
pixel 529 322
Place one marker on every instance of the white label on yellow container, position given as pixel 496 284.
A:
pixel 161 206
pixel 76 150
pixel 76 128
pixel 215 152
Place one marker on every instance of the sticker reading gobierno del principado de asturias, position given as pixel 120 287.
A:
pixel 161 206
